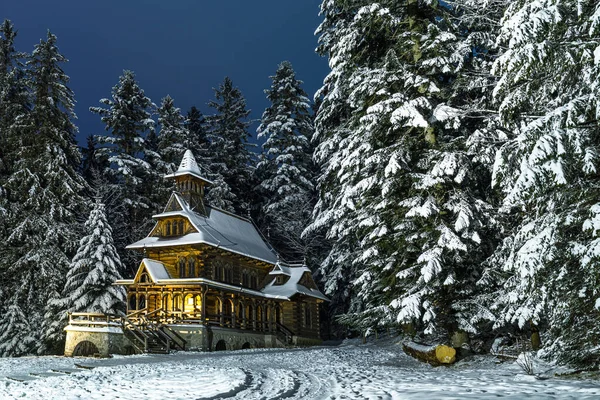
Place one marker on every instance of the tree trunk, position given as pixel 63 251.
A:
pixel 434 355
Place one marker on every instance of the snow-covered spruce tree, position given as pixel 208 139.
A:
pixel 546 270
pixel 127 117
pixel 14 104
pixel 400 191
pixel 165 155
pixel 15 331
pixel 95 267
pixel 196 139
pixel 228 135
pixel 287 181
pixel 173 134
pixel 46 194
pixel 12 89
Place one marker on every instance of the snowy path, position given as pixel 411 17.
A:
pixel 345 372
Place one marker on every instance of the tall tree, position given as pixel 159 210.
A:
pixel 92 273
pixel 545 273
pixel 47 194
pixel 14 106
pixel 229 146
pixel 400 192
pixel 127 117
pixel 287 180
pixel 197 140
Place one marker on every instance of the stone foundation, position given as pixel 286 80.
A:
pixel 107 340
pixel 111 340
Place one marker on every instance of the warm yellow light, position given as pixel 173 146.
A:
pixel 191 301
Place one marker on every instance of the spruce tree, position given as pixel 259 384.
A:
pixel 127 117
pixel 46 193
pixel 400 194
pixel 287 180
pixel 173 134
pixel 228 135
pixel 544 274
pixel 92 272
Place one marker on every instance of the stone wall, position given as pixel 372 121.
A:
pixel 206 338
pixel 108 340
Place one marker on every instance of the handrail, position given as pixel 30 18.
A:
pixel 284 329
pixel 135 313
pixel 137 332
pixel 168 332
pixel 153 312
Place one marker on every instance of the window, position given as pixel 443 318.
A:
pixel 191 267
pixel 168 231
pixel 181 225
pixel 245 278
pixel 254 281
pixel 307 316
pixel 279 280
pixel 182 267
pixel 228 274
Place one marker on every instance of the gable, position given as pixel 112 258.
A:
pixel 150 271
pixel 173 205
pixel 307 281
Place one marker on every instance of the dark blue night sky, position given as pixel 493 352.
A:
pixel 183 48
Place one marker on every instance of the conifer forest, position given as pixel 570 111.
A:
pixel 444 180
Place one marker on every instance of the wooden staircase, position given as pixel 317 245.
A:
pixel 283 334
pixel 148 336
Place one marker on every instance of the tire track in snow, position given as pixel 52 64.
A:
pixel 249 378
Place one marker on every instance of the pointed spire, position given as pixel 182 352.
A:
pixel 188 166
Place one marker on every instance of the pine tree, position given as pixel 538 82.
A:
pixel 544 274
pixel 196 140
pixel 168 151
pixel 287 181
pixel 14 105
pixel 400 197
pixel 128 119
pixel 95 267
pixel 173 134
pixel 229 146
pixel 46 193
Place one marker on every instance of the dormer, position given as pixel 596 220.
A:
pixel 281 274
pixel 189 182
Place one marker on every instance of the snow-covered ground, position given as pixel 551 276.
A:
pixel 349 371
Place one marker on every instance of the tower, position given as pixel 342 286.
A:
pixel 190 183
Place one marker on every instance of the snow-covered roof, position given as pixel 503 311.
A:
pixel 292 286
pixel 156 269
pixel 280 269
pixel 218 228
pixel 286 291
pixel 188 166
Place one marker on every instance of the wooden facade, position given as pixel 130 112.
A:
pixel 204 266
